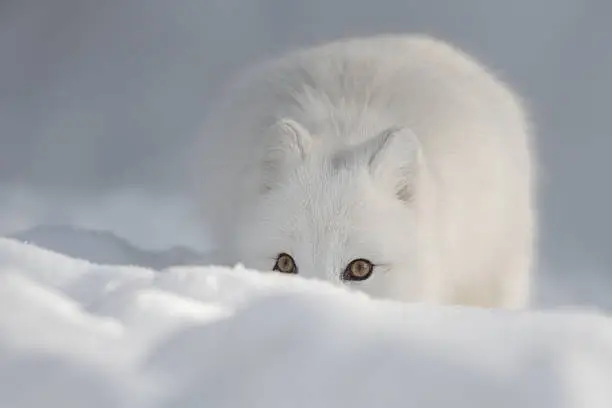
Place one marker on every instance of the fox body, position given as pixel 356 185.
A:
pixel 399 150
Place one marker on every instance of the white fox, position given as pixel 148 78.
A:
pixel 396 164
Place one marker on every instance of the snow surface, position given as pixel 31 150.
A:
pixel 105 247
pixel 77 334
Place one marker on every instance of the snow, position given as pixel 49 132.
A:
pixel 78 334
pixel 106 247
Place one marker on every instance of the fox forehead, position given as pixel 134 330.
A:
pixel 324 218
pixel 316 193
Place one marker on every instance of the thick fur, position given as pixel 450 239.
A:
pixel 399 149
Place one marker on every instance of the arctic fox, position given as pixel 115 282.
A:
pixel 395 164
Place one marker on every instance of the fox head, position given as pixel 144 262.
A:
pixel 347 215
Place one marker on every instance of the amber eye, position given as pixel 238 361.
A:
pixel 285 264
pixel 358 270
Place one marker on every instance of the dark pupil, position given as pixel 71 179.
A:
pixel 285 263
pixel 360 268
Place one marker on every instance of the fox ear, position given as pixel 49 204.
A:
pixel 287 144
pixel 393 159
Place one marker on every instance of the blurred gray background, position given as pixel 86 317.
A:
pixel 98 97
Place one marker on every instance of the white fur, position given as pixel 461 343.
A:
pixel 398 149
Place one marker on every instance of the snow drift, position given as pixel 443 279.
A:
pixel 76 334
pixel 105 247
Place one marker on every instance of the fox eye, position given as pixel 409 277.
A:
pixel 285 264
pixel 358 270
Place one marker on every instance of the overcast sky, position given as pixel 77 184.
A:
pixel 97 97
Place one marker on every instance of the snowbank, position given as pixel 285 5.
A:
pixel 75 334
pixel 105 247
